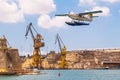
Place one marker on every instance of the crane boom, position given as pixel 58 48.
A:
pixel 58 39
pixel 29 29
pixel 60 42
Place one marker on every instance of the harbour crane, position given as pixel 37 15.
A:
pixel 63 52
pixel 37 44
pixel 4 42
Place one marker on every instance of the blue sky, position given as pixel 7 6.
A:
pixel 103 32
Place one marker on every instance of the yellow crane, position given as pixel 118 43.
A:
pixel 37 44
pixel 4 42
pixel 63 52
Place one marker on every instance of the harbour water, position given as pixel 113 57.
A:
pixel 68 75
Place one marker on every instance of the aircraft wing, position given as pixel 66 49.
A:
pixel 91 12
pixel 61 15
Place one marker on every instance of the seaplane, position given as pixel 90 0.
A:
pixel 80 18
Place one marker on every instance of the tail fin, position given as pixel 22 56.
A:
pixel 90 16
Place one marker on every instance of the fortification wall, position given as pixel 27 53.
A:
pixel 3 61
pixel 14 59
pixel 10 60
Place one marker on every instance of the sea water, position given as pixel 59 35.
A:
pixel 68 75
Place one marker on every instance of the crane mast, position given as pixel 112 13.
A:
pixel 37 44
pixel 63 52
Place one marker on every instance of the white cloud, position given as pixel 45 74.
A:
pixel 9 12
pixel 106 10
pixel 111 1
pixel 46 22
pixel 37 6
pixel 87 3
pixel 94 5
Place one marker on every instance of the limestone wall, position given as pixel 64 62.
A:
pixel 14 59
pixel 10 60
pixel 85 59
pixel 3 61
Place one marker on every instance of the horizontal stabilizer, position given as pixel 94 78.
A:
pixel 95 16
pixel 61 15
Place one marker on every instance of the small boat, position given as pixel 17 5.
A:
pixel 36 71
pixel 59 74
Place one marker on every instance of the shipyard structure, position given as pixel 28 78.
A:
pixel 81 59
pixel 12 62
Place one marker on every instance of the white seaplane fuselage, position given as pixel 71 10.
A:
pixel 79 17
